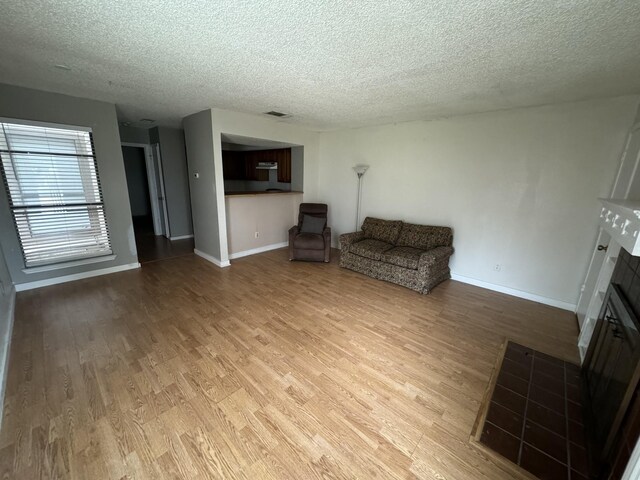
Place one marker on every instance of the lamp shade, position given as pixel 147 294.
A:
pixel 360 169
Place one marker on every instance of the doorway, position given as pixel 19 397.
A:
pixel 138 185
pixel 145 183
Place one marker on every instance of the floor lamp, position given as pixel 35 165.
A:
pixel 359 169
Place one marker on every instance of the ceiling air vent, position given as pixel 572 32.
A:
pixel 278 114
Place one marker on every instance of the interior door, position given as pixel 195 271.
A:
pixel 162 197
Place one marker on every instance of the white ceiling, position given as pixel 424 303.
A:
pixel 330 63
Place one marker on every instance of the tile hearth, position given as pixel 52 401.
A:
pixel 535 415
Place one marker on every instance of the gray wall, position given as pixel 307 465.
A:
pixel 134 134
pixel 7 296
pixel 176 178
pixel 23 103
pixel 137 183
pixel 198 132
pixel 5 277
pixel 297 169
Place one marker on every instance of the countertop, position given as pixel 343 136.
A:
pixel 252 194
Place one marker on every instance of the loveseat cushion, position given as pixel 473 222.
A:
pixel 424 237
pixel 309 241
pixel 383 230
pixel 370 248
pixel 407 257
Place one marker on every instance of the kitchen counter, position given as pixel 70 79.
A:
pixel 245 194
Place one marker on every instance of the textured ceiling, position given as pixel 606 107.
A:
pixel 329 63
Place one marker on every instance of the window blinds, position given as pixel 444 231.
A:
pixel 54 193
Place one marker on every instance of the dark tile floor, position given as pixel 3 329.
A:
pixel 535 415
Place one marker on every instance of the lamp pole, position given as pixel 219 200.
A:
pixel 359 169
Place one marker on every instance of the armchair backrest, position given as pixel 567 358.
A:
pixel 312 209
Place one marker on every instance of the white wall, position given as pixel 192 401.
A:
pixel 519 187
pixel 271 215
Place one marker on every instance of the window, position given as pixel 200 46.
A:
pixel 54 193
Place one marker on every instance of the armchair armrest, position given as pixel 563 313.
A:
pixel 433 256
pixel 326 233
pixel 293 231
pixel 347 239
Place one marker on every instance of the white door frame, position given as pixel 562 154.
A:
pixel 163 195
pixel 153 187
pixel 632 472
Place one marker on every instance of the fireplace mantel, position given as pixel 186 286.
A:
pixel 621 220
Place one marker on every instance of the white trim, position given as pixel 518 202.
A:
pixel 72 263
pixel 632 472
pixel 5 345
pixel 253 251
pixel 35 123
pixel 75 276
pixel 211 259
pixel 516 293
pixel 181 237
pixel 163 192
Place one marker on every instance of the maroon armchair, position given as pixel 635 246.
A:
pixel 310 239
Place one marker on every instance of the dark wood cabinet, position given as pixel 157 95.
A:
pixel 233 167
pixel 242 165
pixel 284 165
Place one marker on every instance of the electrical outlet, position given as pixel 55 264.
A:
pixel 257 234
pixel 497 267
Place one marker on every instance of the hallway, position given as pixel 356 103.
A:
pixel 157 247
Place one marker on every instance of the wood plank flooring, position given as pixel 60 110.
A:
pixel 268 369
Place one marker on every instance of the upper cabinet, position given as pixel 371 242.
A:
pixel 233 167
pixel 242 165
pixel 284 165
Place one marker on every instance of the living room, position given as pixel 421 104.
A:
pixel 504 122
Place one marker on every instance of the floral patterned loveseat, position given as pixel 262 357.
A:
pixel 414 256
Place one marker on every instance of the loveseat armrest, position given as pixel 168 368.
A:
pixel 433 256
pixel 347 239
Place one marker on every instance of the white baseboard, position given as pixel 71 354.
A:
pixel 7 309
pixel 211 259
pixel 21 287
pixel 181 237
pixel 516 293
pixel 253 251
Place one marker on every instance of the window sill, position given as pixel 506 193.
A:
pixel 73 263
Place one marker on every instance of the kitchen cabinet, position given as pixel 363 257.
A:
pixel 284 165
pixel 233 167
pixel 242 165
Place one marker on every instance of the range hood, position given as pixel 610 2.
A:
pixel 621 220
pixel 267 166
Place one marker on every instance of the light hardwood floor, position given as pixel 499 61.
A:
pixel 268 369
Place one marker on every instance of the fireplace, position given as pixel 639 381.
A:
pixel 611 369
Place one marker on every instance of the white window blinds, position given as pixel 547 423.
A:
pixel 54 193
